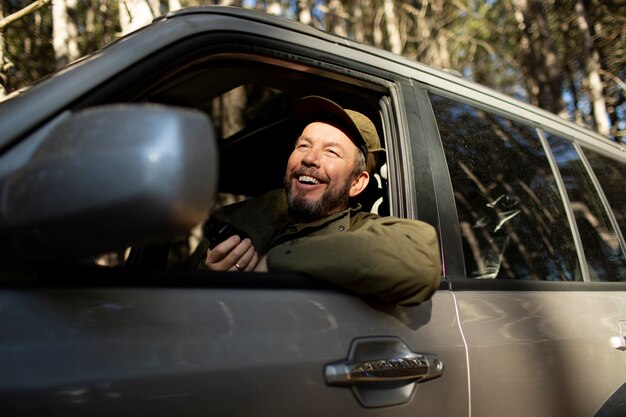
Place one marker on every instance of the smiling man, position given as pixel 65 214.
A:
pixel 312 227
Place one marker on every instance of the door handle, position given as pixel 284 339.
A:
pixel 382 371
pixel 414 367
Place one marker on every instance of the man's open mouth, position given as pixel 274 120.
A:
pixel 306 179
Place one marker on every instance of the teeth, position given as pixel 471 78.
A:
pixel 306 178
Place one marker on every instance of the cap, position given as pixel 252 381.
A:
pixel 356 125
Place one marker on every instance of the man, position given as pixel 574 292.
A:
pixel 311 228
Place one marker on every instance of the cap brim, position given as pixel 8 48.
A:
pixel 319 109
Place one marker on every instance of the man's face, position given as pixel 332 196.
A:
pixel 319 179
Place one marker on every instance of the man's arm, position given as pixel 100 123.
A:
pixel 394 259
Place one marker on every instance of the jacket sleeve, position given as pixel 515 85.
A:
pixel 396 260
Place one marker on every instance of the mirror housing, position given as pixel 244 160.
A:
pixel 109 177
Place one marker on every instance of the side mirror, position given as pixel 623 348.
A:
pixel 109 177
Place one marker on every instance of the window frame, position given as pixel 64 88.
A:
pixel 401 190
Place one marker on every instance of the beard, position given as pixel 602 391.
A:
pixel 333 200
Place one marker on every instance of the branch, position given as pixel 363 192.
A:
pixel 38 4
pixel 615 79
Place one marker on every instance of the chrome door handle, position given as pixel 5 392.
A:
pixel 382 371
pixel 393 369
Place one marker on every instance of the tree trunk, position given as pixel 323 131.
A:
pixel 578 117
pixel 538 57
pixel 377 34
pixel 358 19
pixel 304 11
pixel 591 60
pixel 137 13
pixel 64 33
pixel 173 5
pixel 274 7
pixel 336 18
pixel 236 3
pixel 552 94
pixel 441 42
pixel 393 34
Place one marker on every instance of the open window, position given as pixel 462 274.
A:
pixel 250 100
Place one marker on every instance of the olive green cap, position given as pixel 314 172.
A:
pixel 356 125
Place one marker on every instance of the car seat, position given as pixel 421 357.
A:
pixel 375 196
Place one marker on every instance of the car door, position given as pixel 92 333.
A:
pixel 534 255
pixel 102 338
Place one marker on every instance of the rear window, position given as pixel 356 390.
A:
pixel 511 214
pixel 611 175
pixel 599 238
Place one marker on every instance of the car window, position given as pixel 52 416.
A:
pixel 611 174
pixel 250 103
pixel 599 239
pixel 512 218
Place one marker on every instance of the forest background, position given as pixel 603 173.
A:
pixel 566 56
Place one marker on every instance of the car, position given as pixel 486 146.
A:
pixel 109 168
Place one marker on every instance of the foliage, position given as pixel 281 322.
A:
pixel 538 51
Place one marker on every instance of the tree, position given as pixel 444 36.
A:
pixel 591 61
pixel 64 32
pixel 9 16
pixel 137 13
pixel 559 54
pixel 567 56
pixel 539 61
pixel 607 27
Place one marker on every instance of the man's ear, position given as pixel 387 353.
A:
pixel 359 184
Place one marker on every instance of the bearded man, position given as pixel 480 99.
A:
pixel 310 227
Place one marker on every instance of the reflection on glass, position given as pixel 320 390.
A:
pixel 600 240
pixel 512 218
pixel 611 175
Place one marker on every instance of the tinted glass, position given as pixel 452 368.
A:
pixel 600 241
pixel 512 218
pixel 611 175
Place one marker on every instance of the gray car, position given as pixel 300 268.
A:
pixel 109 168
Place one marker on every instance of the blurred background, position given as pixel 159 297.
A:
pixel 566 56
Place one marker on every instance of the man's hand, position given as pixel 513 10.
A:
pixel 233 254
pixel 261 266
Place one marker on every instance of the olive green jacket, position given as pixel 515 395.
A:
pixel 396 260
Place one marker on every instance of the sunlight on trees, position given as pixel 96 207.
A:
pixel 567 57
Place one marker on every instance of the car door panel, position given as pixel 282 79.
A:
pixel 228 351
pixel 549 346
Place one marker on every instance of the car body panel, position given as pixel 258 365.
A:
pixel 549 346
pixel 540 340
pixel 184 351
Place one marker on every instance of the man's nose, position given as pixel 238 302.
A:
pixel 311 158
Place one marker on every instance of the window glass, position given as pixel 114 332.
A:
pixel 611 175
pixel 600 242
pixel 512 219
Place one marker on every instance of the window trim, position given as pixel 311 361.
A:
pixel 605 201
pixel 434 160
pixel 571 219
